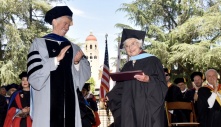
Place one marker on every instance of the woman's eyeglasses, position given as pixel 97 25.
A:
pixel 131 45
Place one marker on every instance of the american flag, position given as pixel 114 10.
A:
pixel 104 87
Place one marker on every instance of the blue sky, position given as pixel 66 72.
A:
pixel 99 17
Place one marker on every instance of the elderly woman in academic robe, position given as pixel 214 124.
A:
pixel 139 102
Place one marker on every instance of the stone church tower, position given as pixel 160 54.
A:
pixel 92 54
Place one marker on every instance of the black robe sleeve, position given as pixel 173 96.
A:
pixel 114 103
pixel 3 110
pixel 208 117
pixel 202 106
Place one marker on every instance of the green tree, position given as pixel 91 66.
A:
pixel 20 22
pixel 184 34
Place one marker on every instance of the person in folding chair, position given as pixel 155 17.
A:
pixel 177 92
pixel 209 101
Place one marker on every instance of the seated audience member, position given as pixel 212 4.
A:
pixel 3 91
pixel 92 102
pixel 181 83
pixel 197 81
pixel 10 90
pixel 87 114
pixel 167 74
pixel 173 94
pixel 19 105
pixel 180 115
pixel 208 103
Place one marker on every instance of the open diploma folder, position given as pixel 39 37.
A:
pixel 124 76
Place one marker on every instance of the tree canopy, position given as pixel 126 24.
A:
pixel 20 22
pixel 183 34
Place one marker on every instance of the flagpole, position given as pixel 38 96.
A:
pixel 107 109
pixel 105 79
pixel 118 56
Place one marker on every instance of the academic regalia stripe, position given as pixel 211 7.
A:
pixel 16 122
pixel 33 61
pixel 33 53
pixel 29 121
pixel 34 69
pixel 219 91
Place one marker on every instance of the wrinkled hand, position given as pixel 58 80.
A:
pixel 142 78
pixel 62 53
pixel 78 56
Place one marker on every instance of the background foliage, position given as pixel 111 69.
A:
pixel 183 34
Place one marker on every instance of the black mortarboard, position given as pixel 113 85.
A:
pixel 13 85
pixel 129 33
pixel 179 80
pixel 56 12
pixel 86 86
pixel 196 74
pixel 23 74
pixel 166 70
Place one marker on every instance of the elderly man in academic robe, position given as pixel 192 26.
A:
pixel 57 68
pixel 209 101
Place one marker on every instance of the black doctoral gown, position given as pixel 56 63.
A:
pixel 140 104
pixel 208 117
pixel 62 88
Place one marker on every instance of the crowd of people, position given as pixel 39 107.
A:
pixel 204 93
pixel 54 92
pixel 15 105
pixel 140 102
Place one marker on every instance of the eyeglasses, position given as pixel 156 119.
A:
pixel 167 75
pixel 131 45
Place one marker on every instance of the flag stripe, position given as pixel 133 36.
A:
pixel 104 87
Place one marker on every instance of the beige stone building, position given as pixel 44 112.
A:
pixel 92 53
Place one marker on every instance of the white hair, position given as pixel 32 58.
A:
pixel 133 39
pixel 211 70
pixel 69 17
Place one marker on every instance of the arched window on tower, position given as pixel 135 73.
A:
pixel 95 57
pixel 90 46
pixel 91 57
pixel 95 47
pixel 86 47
